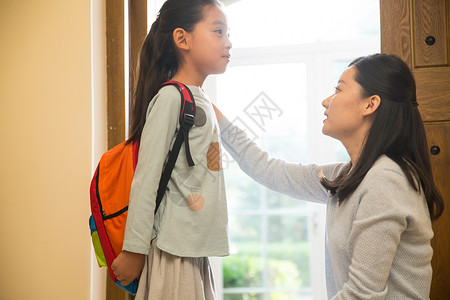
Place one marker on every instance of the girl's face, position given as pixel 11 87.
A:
pixel 209 43
pixel 345 111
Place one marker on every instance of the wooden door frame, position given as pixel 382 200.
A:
pixel 115 63
pixel 115 60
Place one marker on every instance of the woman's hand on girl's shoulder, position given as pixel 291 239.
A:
pixel 219 114
pixel 128 266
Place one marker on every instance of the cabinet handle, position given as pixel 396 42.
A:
pixel 430 40
pixel 435 150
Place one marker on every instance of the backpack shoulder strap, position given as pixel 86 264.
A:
pixel 187 116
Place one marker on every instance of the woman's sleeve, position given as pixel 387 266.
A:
pixel 292 179
pixel 157 135
pixel 380 220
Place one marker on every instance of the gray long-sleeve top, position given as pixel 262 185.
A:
pixel 378 240
pixel 192 220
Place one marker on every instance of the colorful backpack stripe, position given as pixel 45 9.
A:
pixel 111 184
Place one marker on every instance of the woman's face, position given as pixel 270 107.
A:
pixel 344 110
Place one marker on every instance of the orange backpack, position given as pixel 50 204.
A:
pixel 111 184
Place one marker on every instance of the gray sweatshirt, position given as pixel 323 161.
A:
pixel 377 241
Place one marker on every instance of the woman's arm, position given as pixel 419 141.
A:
pixel 219 114
pixel 293 179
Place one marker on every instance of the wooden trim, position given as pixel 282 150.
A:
pixel 115 62
pixel 115 96
pixel 115 72
pixel 137 16
pixel 395 29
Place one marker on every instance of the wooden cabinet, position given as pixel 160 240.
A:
pixel 430 48
pixel 418 31
pixel 438 135
pixel 433 91
pixel 430 43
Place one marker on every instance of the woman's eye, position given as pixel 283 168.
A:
pixel 336 89
pixel 219 31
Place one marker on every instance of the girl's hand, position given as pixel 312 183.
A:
pixel 128 266
pixel 219 114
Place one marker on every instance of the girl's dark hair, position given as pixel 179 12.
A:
pixel 158 59
pixel 397 130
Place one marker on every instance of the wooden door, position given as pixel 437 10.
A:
pixel 438 135
pixel 418 31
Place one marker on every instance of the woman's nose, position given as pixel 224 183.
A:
pixel 325 102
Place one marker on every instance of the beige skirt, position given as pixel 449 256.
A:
pixel 170 277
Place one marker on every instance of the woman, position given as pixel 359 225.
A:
pixel 380 204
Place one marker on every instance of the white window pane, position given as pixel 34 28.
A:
pixel 271 105
pixel 256 23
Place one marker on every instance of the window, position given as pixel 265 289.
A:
pixel 287 56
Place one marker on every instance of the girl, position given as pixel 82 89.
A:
pixel 380 204
pixel 169 250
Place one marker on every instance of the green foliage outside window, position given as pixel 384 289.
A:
pixel 246 270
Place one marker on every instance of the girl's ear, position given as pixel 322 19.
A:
pixel 371 104
pixel 180 39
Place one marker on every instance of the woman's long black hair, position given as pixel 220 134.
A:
pixel 397 130
pixel 158 59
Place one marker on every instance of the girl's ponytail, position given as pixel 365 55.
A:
pixel 157 64
pixel 158 59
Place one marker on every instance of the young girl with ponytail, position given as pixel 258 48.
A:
pixel 169 250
